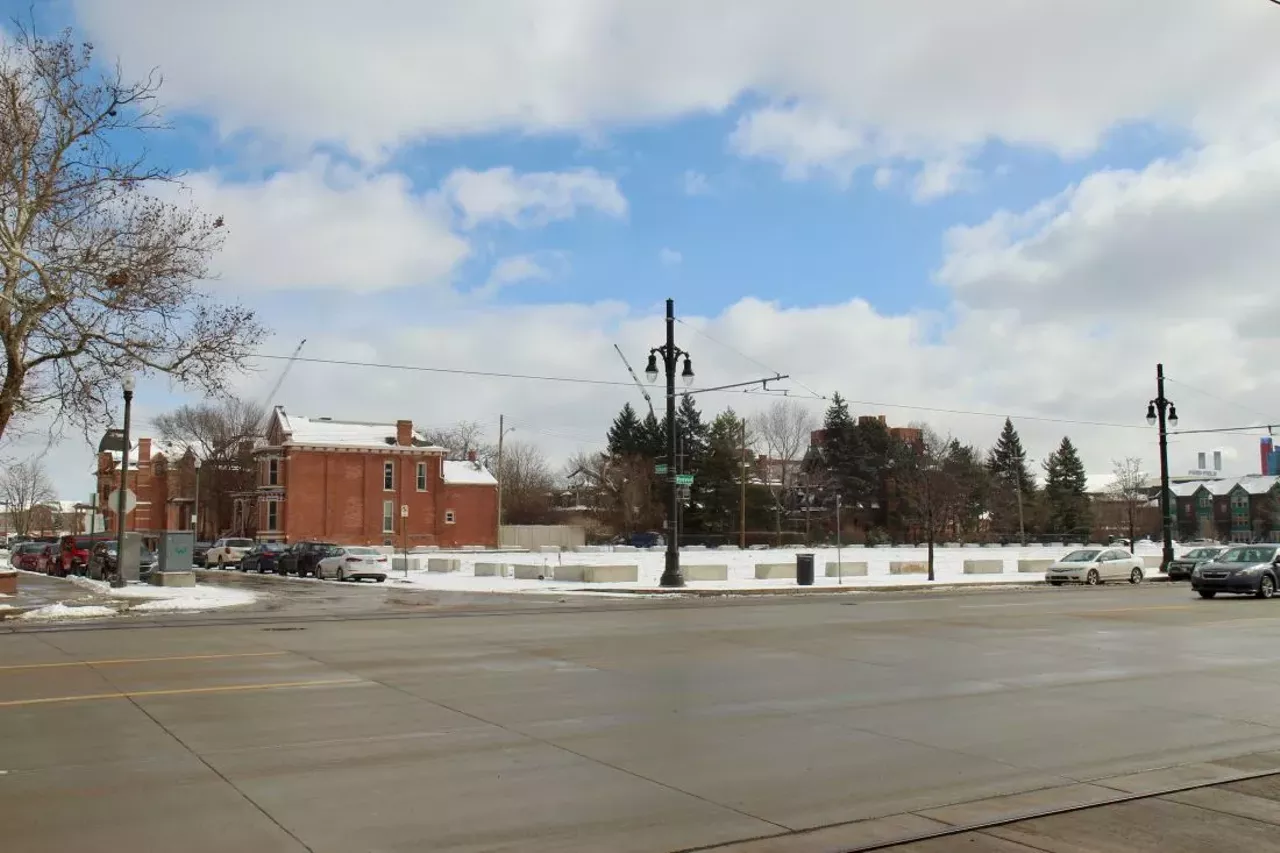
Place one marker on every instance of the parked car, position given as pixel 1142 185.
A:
pixel 1247 570
pixel 650 539
pixel 102 560
pixel 199 553
pixel 1181 568
pixel 262 558
pixel 29 556
pixel 353 562
pixel 1094 566
pixel 227 552
pixel 301 558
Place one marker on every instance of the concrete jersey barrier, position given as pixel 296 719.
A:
pixel 608 574
pixel 908 567
pixel 1034 566
pixel 706 573
pixel 491 570
pixel 528 572
pixel 847 570
pixel 775 571
pixel 443 564
pixel 984 567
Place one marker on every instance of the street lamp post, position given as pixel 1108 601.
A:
pixel 117 578
pixel 671 575
pixel 195 510
pixel 1162 411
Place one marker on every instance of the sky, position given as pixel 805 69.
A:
pixel 946 212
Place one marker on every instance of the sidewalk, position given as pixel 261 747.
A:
pixel 38 590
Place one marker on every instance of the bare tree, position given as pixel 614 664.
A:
pixel 528 484
pixel 622 488
pixel 99 271
pixel 26 491
pixel 1128 490
pixel 463 438
pixel 929 477
pixel 220 433
pixel 783 431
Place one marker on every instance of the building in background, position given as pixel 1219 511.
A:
pixel 1270 456
pixel 161 477
pixel 360 483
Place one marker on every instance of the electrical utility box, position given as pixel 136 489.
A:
pixel 130 559
pixel 175 551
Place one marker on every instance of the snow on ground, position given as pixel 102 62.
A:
pixel 170 599
pixel 58 610
pixel 948 568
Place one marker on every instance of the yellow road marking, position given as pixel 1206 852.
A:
pixel 227 688
pixel 138 660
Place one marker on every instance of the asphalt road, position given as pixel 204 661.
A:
pixel 640 725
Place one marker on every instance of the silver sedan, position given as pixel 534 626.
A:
pixel 1094 566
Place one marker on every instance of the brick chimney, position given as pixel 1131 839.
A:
pixel 144 451
pixel 404 433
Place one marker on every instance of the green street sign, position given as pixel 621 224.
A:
pixel 684 479
pixel 660 469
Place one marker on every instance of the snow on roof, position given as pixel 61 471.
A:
pixel 1258 484
pixel 1186 490
pixel 1254 484
pixel 467 474
pixel 326 432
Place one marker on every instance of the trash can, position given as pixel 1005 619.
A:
pixel 804 569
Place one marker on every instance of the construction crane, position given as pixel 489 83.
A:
pixel 275 389
pixel 636 379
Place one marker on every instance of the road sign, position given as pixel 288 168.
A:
pixel 130 501
pixel 660 469
pixel 404 510
pixel 684 479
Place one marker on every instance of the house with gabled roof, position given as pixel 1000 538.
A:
pixel 365 483
pixel 1241 509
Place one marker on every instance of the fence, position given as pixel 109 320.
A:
pixel 537 535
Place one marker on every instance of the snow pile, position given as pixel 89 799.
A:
pixel 58 610
pixel 170 599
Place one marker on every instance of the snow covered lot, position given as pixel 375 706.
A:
pixel 883 567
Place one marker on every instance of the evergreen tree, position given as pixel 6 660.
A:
pixel 720 474
pixel 1066 490
pixel 653 438
pixel 625 434
pixel 692 438
pixel 1013 487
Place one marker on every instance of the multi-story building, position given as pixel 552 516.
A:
pixel 161 476
pixel 1245 509
pixel 359 483
pixel 907 435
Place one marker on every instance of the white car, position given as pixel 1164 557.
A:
pixel 353 563
pixel 227 552
pixel 1094 566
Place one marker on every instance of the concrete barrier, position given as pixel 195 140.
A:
pixel 693 547
pixel 847 570
pixel 491 570
pixel 908 568
pixel 951 545
pixel 529 572
pixel 619 548
pixel 706 573
pixel 549 549
pixel 416 562
pixel 1152 561
pixel 984 567
pixel 443 564
pixel 610 574
pixel 1034 566
pixel 881 546
pixel 971 545
pixel 172 579
pixel 775 571
pixel 572 574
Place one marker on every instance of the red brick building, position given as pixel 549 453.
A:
pixel 347 482
pixel 161 476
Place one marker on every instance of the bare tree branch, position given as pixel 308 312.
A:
pixel 25 490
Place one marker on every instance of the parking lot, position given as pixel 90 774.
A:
pixel 470 723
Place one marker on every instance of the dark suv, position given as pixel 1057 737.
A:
pixel 1244 570
pixel 1181 568
pixel 301 558
pixel 263 557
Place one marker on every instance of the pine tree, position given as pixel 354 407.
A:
pixel 1066 490
pixel 625 433
pixel 692 438
pixel 720 474
pixel 1013 488
pixel 652 439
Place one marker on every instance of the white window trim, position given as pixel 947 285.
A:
pixel 420 474
pixel 450 517
pixel 388 516
pixel 273 481
pixel 388 468
pixel 273 527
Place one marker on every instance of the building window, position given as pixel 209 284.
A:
pixel 388 476
pixel 273 473
pixel 422 476
pixel 448 516
pixel 273 515
pixel 388 516
pixel 1205 500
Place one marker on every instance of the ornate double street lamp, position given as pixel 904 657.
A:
pixel 1162 411
pixel 670 354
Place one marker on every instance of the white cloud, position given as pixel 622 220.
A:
pixel 514 270
pixel 941 177
pixel 534 198
pixel 329 226
pixel 670 257
pixel 695 183
pixel 802 140
pixel 931 76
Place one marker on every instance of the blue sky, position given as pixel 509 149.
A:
pixel 994 203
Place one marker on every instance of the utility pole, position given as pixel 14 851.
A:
pixel 1022 525
pixel 742 501
pixel 671 575
pixel 1162 411
pixel 502 433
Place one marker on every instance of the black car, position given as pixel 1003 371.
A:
pixel 263 557
pixel 301 558
pixel 102 561
pixel 1181 568
pixel 1243 570
pixel 198 554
